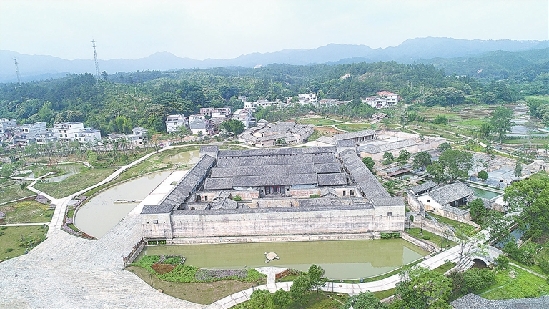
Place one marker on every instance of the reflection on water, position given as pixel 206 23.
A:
pixel 100 214
pixel 348 259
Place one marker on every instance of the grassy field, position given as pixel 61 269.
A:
pixel 434 238
pixel 12 190
pixel 516 283
pixel 317 121
pixel 354 127
pixel 74 183
pixel 463 230
pixel 16 240
pixel 26 212
pixel 169 159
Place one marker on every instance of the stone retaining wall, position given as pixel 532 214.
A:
pixel 281 238
pixel 420 243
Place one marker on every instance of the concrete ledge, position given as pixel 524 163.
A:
pixel 276 238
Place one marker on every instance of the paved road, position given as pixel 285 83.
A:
pixel 70 272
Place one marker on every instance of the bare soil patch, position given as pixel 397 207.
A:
pixel 162 268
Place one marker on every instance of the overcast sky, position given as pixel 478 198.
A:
pixel 226 29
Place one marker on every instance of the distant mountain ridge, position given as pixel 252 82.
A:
pixel 36 67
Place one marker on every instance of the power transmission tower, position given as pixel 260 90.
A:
pixel 95 59
pixel 17 70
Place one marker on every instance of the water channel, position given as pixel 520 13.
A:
pixel 105 210
pixel 486 194
pixel 345 259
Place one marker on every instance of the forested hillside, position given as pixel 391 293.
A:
pixel 119 102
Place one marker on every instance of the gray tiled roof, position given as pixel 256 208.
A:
pixel 333 179
pixel 450 193
pixel 367 182
pixel 474 301
pixel 352 135
pixel 181 192
pixel 423 187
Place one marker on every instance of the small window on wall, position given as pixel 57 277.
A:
pixel 352 193
pixel 428 201
pixel 205 197
pixel 389 214
pixel 343 192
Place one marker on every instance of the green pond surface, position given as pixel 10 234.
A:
pixel 346 259
pixel 484 193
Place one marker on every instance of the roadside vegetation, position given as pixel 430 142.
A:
pixel 18 240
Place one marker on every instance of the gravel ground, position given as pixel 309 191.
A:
pixel 69 272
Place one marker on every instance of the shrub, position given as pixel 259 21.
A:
pixel 237 198
pixel 9 250
pixel 502 262
pixel 426 237
pixel 390 235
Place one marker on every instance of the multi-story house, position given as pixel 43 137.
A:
pixel 174 122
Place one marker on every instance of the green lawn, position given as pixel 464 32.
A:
pixel 26 212
pixel 11 190
pixel 354 127
pixel 522 285
pixel 74 183
pixel 15 240
pixel 434 238
pixel 169 159
pixel 461 229
pixel 317 121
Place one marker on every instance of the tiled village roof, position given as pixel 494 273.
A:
pixel 352 135
pixel 181 192
pixel 316 166
pixel 450 193
pixel 428 185
pixel 367 182
pixel 477 302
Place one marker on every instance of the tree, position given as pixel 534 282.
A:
pixel 440 119
pixel 421 288
pixel 281 299
pixel 452 165
pixel 483 175
pixel 421 160
pixel 261 299
pixel 300 287
pixel 233 125
pixel 530 197
pixel 369 162
pixel 500 121
pixel 403 156
pixel 471 281
pixel 316 276
pixel 444 146
pixel 388 158
pixel 477 210
pixel 518 169
pixel 364 300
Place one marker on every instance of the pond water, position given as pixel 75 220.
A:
pixel 101 213
pixel 346 259
pixel 485 193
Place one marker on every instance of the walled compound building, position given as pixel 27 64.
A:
pixel 274 194
pixel 272 134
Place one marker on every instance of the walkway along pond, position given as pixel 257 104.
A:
pixel 345 259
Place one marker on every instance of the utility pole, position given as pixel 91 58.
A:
pixel 17 70
pixel 95 59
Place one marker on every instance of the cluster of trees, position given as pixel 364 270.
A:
pixel 145 98
pixel 302 286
